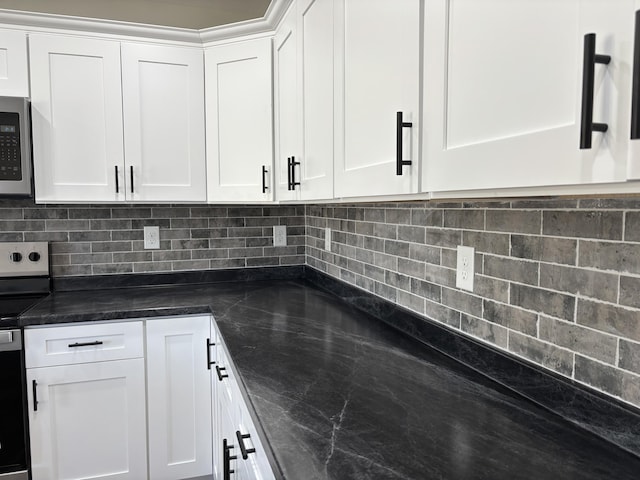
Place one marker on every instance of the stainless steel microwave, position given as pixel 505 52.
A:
pixel 16 175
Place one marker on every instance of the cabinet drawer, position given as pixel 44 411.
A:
pixel 66 345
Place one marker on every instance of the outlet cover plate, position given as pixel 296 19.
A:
pixel 280 236
pixel 465 268
pixel 151 237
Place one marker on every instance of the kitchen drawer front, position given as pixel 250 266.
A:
pixel 67 345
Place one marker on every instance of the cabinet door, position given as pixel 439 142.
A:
pixel 179 398
pixel 163 97
pixel 240 121
pixel 315 63
pixel 377 76
pixel 285 65
pixel 76 110
pixel 502 94
pixel 89 422
pixel 14 77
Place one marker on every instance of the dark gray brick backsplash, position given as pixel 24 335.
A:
pixel 629 356
pixel 545 354
pixel 613 319
pixel 606 225
pixel 552 303
pixel 510 269
pixel 479 328
pixel 520 221
pixel 544 249
pixel 616 256
pixel 511 317
pixel 588 283
pixel 579 339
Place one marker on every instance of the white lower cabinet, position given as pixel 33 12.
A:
pixel 139 399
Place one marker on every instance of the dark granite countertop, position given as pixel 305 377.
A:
pixel 341 395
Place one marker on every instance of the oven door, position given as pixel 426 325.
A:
pixel 13 432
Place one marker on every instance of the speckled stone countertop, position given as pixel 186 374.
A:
pixel 341 395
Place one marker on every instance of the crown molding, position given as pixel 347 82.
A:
pixel 52 22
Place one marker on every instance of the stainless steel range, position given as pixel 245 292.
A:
pixel 24 280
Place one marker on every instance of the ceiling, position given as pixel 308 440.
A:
pixel 196 14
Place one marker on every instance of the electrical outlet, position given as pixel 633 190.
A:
pixel 327 239
pixel 280 236
pixel 152 237
pixel 465 268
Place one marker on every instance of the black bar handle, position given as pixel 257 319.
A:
pixel 209 345
pixel 635 80
pixel 587 125
pixel 226 460
pixel 243 448
pixel 131 175
pixel 34 389
pixel 117 181
pixel 219 371
pixel 289 187
pixel 293 173
pixel 264 179
pixel 85 344
pixel 400 124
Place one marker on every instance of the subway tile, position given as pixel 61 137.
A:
pixel 398 216
pixel 484 330
pixel 491 288
pixel 545 249
pixel 587 283
pixel 442 314
pixel 609 318
pixel 132 257
pixel 180 265
pixel 139 224
pixel 210 253
pixel 424 253
pixel 486 242
pixel 579 339
pixel 629 356
pixel 151 267
pixel 515 221
pixel 427 217
pixel 443 237
pixel 170 212
pixel 99 247
pixel 410 301
pixel 14 236
pixel 21 225
pixel 183 244
pixel 606 225
pixel 68 225
pixel 440 275
pixel 386 291
pixel 217 263
pixel 632 226
pixel 609 203
pixel 551 303
pixel 88 213
pixel 91 236
pixel 112 268
pixel 545 354
pixel 411 267
pixel 465 219
pixel 14 213
pixel 245 252
pixel 521 271
pixel 188 223
pixel 620 257
pixel 45 237
pixel 411 234
pixel 170 255
pixel 608 379
pixel 374 215
pixel 547 203
pixel 131 212
pixel 398 280
pixel 70 270
pixel 43 214
pixel 427 290
pixel 90 258
pixel 629 288
pixel 462 301
pixel 382 230
pixel 511 317
pixel 293 260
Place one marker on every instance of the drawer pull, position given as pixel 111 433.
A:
pixel 587 125
pixel 400 124
pixel 219 371
pixel 209 345
pixel 243 448
pixel 34 387
pixel 226 462
pixel 85 344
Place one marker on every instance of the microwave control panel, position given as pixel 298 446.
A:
pixel 10 159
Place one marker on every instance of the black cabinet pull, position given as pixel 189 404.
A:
pixel 264 179
pixel 85 344
pixel 131 175
pixel 400 124
pixel 292 173
pixel 34 389
pixel 226 460
pixel 209 345
pixel 587 125
pixel 243 448
pixel 635 96
pixel 219 371
pixel 289 173
pixel 117 181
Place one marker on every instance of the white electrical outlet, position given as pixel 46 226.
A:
pixel 327 239
pixel 152 237
pixel 280 236
pixel 465 268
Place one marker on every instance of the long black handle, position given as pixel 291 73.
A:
pixel 587 125
pixel 219 371
pixel 293 173
pixel 400 124
pixel 226 460
pixel 243 448
pixel 131 175
pixel 117 181
pixel 34 389
pixel 289 174
pixel 85 344
pixel 635 96
pixel 264 179
pixel 209 345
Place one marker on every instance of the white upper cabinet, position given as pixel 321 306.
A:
pixel 76 108
pixel 287 111
pixel 163 98
pixel 240 121
pixel 312 171
pixel 377 75
pixel 503 93
pixel 14 71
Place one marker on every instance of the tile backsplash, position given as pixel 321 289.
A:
pixel 557 280
pixel 108 239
